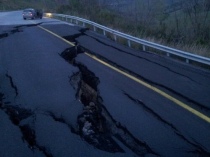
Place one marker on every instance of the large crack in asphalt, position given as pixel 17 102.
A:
pixel 1 98
pixel 198 148
pixel 3 35
pixel 92 124
pixel 83 33
pixel 17 115
pixel 16 29
pixel 12 84
pixel 77 82
pixel 73 38
pixel 170 90
pixel 95 124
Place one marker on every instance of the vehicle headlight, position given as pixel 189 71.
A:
pixel 48 14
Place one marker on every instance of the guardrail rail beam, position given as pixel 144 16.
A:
pixel 185 55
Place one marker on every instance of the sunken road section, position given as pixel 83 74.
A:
pixel 96 125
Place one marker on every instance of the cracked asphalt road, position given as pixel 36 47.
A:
pixel 57 101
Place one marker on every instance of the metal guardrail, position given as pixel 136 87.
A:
pixel 186 55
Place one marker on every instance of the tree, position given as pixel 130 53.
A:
pixel 198 13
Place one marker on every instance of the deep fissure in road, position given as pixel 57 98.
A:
pixel 196 104
pixel 95 124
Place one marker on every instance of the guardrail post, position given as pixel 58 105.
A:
pixel 144 47
pixel 115 37
pixel 187 61
pixel 76 22
pixel 129 43
pixel 66 18
pixel 104 32
pixel 83 24
pixel 94 28
pixel 168 54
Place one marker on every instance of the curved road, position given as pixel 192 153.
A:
pixel 97 98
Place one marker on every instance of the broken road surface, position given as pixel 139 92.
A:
pixel 55 100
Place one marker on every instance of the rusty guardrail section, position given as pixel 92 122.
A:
pixel 169 51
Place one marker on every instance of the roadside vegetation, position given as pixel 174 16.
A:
pixel 184 24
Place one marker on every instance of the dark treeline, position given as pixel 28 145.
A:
pixel 174 21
